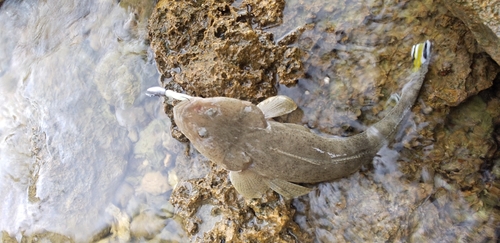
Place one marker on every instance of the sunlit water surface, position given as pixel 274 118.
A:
pixel 75 124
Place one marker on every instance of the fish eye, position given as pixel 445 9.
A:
pixel 202 132
pixel 211 112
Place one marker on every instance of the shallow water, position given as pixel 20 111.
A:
pixel 351 70
pixel 86 155
pixel 74 118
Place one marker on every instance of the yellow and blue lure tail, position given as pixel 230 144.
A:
pixel 420 54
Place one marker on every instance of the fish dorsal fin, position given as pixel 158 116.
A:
pixel 248 183
pixel 277 106
pixel 287 189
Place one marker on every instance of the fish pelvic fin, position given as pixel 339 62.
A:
pixel 287 189
pixel 252 185
pixel 420 54
pixel 248 183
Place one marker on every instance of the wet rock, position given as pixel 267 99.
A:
pixel 212 49
pixel 364 68
pixel 124 194
pixel 482 19
pixel 151 137
pixel 133 135
pixel 262 13
pixel 212 211
pixel 172 179
pixel 172 232
pixel 168 209
pixel 120 229
pixel 154 183
pixel 141 10
pixel 191 166
pixel 146 225
pixel 368 207
pixel 47 237
pixel 6 238
pixel 123 92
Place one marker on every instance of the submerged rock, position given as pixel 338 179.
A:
pixel 146 225
pixel 154 183
pixel 212 211
pixel 483 20
pixel 439 183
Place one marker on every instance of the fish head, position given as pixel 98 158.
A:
pixel 217 127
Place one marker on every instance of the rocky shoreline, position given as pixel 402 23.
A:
pixel 341 71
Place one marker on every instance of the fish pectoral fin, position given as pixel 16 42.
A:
pixel 248 183
pixel 277 106
pixel 287 189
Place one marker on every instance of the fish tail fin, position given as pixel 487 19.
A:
pixel 420 54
